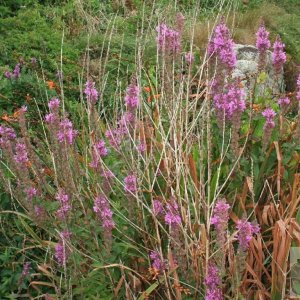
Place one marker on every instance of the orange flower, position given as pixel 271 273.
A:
pixel 8 118
pixel 150 98
pixel 147 89
pixel 256 107
pixel 51 84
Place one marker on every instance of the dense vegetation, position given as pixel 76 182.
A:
pixel 133 164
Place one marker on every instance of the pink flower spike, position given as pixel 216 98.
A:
pixel 278 55
pixel 132 96
pixel 284 102
pixel 130 183
pixel 269 114
pixel 246 230
pixel 262 39
pixel 102 209
pixel 91 92
pixel 189 58
pixel 157 207
pixel 172 216
pixel 54 104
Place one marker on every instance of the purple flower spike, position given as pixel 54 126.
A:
pixel 269 114
pixel 65 205
pixel 66 132
pixel 130 183
pixel 7 134
pixel 21 156
pixel 31 193
pixel 230 101
pixel 189 58
pixel 168 39
pixel 284 102
pixel 91 92
pixel 298 88
pixel 99 150
pixel 220 219
pixel 157 262
pixel 54 105
pixel 17 71
pixel 26 268
pixel 246 230
pixel 213 283
pixel 103 211
pixel 278 55
pixel 8 74
pixel 132 96
pixel 262 39
pixel 114 137
pixel 141 147
pixel 172 216
pixel 221 44
pixel 61 252
pixel 157 207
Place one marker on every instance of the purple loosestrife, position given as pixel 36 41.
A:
pixel 65 205
pixel 278 56
pixel 17 71
pixel 180 22
pixel 213 283
pixel 269 115
pixel 141 147
pixel 31 193
pixel 66 133
pixel 221 45
pixel 298 88
pixel 39 212
pixel 172 216
pixel 229 104
pixel 8 74
pixel 99 150
pixel 61 251
pixel 168 40
pixel 189 58
pixel 126 119
pixel 130 183
pixel 114 137
pixel 157 207
pixel 7 134
pixel 132 96
pixel 107 182
pixel 220 220
pixel 53 117
pixel 246 230
pixel 284 103
pixel 104 213
pixel 157 262
pixel 125 123
pixel 26 269
pixel 54 105
pixel 108 174
pixel 21 156
pixel 91 92
pixel 263 44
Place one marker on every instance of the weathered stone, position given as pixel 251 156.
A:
pixel 247 70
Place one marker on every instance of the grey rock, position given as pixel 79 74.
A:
pixel 247 70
